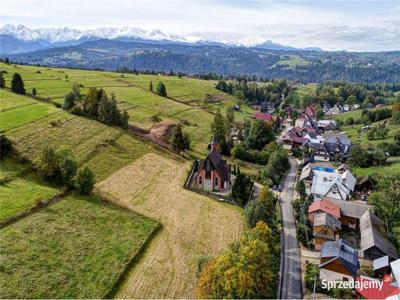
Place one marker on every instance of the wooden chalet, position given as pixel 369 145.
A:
pixel 374 243
pixel 325 228
pixel 338 261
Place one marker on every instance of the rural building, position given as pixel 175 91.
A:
pixel 212 173
pixel 338 261
pixel 323 206
pixel 350 212
pixel 366 184
pixel 326 125
pixel 306 121
pixel 325 228
pixel 381 266
pixel 374 243
pixel 327 182
pixel 336 146
pixel 263 116
pixel 311 111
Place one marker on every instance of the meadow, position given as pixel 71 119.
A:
pixel 76 248
pixel 20 188
pixel 80 246
pixel 193 226
pixel 186 101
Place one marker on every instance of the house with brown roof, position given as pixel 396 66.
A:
pixel 325 228
pixel 350 212
pixel 212 173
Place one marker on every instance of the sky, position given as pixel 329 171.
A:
pixel 353 25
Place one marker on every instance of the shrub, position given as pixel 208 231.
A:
pixel 5 146
pixel 85 180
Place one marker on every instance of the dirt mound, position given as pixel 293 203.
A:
pixel 163 130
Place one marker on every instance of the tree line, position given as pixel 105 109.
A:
pixel 96 105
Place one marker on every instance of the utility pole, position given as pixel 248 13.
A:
pixel 315 285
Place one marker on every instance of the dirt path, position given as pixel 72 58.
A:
pixel 192 225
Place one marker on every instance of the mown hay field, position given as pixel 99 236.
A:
pixel 76 248
pixel 193 225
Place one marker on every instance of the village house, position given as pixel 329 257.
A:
pixel 212 173
pixel 268 107
pixel 326 125
pixel 306 121
pixel 325 228
pixel 339 262
pixel 328 183
pixel 323 206
pixel 267 117
pixel 381 266
pixel 374 243
pixel 350 212
pixel 336 146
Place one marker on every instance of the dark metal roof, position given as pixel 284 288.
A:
pixel 372 236
pixel 339 250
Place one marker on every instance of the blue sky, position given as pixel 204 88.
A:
pixel 331 24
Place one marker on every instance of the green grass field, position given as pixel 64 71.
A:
pixel 392 167
pixel 76 248
pixel 303 90
pixel 19 189
pixel 104 149
pixel 186 97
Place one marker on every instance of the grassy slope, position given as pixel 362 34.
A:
pixel 193 225
pixel 353 133
pixel 103 148
pixel 76 248
pixel 304 90
pixel 186 96
pixel 21 190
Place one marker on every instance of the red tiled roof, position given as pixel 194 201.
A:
pixel 263 116
pixel 326 206
pixel 374 293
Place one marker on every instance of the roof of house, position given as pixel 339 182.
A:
pixel 263 116
pixel 325 219
pixel 326 206
pixel 372 236
pixel 325 179
pixel 219 164
pixel 380 262
pixel 395 266
pixel 351 209
pixel 366 179
pixel 339 250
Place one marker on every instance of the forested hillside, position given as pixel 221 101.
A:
pixel 306 66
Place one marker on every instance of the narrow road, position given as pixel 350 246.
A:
pixel 291 286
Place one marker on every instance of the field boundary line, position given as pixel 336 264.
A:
pixel 39 206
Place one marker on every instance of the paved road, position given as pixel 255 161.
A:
pixel 291 287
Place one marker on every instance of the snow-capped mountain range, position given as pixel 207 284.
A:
pixel 65 34
pixel 19 39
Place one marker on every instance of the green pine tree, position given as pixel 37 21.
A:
pixel 161 89
pixel 2 81
pixel 17 85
